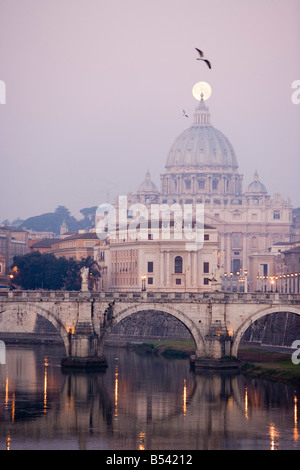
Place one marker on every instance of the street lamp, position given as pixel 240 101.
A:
pixel 143 282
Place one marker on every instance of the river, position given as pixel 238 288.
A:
pixel 139 402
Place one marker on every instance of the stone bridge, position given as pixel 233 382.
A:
pixel 216 320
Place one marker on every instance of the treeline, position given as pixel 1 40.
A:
pixel 52 221
pixel 45 271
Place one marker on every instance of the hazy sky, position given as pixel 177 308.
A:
pixel 95 91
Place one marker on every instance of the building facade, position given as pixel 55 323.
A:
pixel 13 242
pixel 202 168
pixel 130 263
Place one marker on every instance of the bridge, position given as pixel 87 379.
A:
pixel 84 319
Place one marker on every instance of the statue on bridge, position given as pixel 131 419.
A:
pixel 216 279
pixel 84 278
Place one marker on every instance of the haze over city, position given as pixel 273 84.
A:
pixel 95 93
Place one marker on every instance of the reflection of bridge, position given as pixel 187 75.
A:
pixel 216 320
pixel 150 404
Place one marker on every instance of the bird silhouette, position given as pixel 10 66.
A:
pixel 202 58
pixel 184 113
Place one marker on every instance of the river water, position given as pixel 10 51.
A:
pixel 139 402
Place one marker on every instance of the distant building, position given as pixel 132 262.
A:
pixel 42 246
pixel 202 168
pixel 130 263
pixel 76 246
pixel 13 242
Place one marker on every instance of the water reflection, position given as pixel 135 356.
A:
pixel 138 403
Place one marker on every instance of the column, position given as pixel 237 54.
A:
pixel 162 269
pixel 168 269
pixel 195 277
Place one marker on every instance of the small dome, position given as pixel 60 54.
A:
pixel 147 186
pixel 201 145
pixel 256 186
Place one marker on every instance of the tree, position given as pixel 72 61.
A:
pixel 45 271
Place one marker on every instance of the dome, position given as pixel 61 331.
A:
pixel 201 145
pixel 147 186
pixel 256 186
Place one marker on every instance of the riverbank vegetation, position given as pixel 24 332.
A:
pixel 171 349
pixel 254 361
pixel 270 365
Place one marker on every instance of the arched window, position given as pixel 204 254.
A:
pixel 178 265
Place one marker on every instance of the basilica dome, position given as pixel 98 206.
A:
pixel 256 186
pixel 147 186
pixel 201 146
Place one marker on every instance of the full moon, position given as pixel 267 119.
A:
pixel 201 87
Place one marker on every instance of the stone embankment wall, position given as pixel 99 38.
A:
pixel 278 329
pixel 151 325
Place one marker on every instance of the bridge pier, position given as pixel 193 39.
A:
pixel 218 355
pixel 84 351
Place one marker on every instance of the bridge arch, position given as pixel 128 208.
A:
pixel 48 315
pixel 256 316
pixel 167 309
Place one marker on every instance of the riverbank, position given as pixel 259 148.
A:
pixel 255 361
pixel 170 349
pixel 276 366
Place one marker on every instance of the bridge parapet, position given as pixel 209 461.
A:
pixel 200 297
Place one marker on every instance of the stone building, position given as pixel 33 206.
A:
pixel 202 168
pixel 130 262
pixel 13 242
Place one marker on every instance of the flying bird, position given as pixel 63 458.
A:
pixel 202 58
pixel 184 113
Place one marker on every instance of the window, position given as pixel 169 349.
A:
pixel 150 266
pixel 206 281
pixel 236 266
pixel 178 265
pixel 206 236
pixel 264 269
pixel 236 241
pixel 187 184
pixel 215 184
pixel 201 184
pixel 150 280
pixel 206 267
pixel 178 281
pixel 276 215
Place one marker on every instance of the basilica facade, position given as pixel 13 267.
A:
pixel 202 168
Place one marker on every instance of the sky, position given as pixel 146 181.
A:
pixel 95 92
